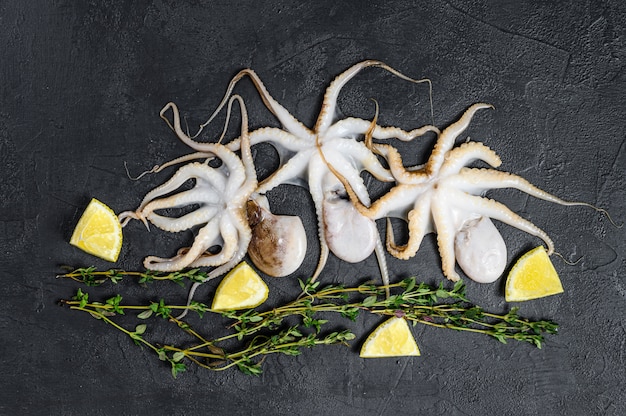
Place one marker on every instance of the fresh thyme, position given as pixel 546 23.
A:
pixel 93 277
pixel 269 332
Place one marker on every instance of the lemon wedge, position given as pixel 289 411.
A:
pixel 98 232
pixel 241 288
pixel 392 338
pixel 533 276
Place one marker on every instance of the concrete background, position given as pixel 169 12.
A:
pixel 81 85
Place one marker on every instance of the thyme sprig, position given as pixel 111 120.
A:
pixel 270 332
pixel 206 353
pixel 416 302
pixel 90 276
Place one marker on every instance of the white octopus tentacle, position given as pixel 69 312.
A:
pixel 273 135
pixel 400 201
pixel 206 238
pixel 327 113
pixel 341 166
pixel 356 157
pixel 177 161
pixel 418 219
pixel 352 126
pixel 379 250
pixel 397 168
pixel 329 103
pixel 396 202
pixel 459 157
pixel 250 183
pixel 244 236
pixel 475 180
pixel 446 139
pixel 206 178
pixel 496 210
pixel 441 152
pixel 202 173
pixel 201 193
pixel 234 227
pixel 317 194
pixel 446 231
pixel 237 174
pixel 184 222
pixel 296 165
pixel 287 120
pixel 229 244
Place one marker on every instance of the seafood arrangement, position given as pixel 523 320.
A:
pixel 216 193
pixel 444 196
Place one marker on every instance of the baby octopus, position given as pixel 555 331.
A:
pixel 220 195
pixel 305 156
pixel 445 196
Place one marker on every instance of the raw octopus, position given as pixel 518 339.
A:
pixel 306 154
pixel 445 195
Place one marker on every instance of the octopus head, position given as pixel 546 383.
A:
pixel 278 245
pixel 350 236
pixel 480 250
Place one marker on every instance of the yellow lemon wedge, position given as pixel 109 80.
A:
pixel 392 338
pixel 241 288
pixel 98 232
pixel 533 276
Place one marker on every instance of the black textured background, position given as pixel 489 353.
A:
pixel 81 85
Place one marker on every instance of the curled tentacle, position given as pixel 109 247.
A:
pixel 461 156
pixel 327 112
pixel 204 240
pixel 288 121
pixel 208 185
pixel 205 177
pixel 446 139
pixel 417 222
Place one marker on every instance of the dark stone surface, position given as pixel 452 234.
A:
pixel 81 87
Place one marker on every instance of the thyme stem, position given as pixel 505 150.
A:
pixel 264 333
